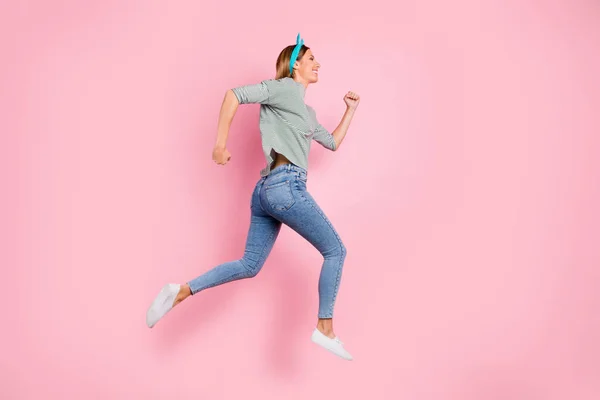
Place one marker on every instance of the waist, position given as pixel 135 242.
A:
pixel 299 171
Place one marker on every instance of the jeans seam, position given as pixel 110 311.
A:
pixel 342 257
pixel 247 271
pixel 259 197
pixel 229 278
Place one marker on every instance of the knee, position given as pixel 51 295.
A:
pixel 338 251
pixel 343 249
pixel 252 267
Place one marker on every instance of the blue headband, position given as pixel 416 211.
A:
pixel 299 43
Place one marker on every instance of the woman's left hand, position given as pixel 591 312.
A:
pixel 352 100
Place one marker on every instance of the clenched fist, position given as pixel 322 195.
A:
pixel 352 99
pixel 221 155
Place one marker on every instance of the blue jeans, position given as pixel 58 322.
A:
pixel 281 197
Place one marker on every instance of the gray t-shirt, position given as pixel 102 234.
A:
pixel 287 124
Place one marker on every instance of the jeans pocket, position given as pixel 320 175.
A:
pixel 279 196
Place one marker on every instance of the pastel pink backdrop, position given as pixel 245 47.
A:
pixel 466 192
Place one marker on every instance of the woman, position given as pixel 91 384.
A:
pixel 287 127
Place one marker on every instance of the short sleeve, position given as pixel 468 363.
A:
pixel 265 92
pixel 322 135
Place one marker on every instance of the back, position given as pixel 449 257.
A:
pixel 287 124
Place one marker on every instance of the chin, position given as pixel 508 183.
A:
pixel 314 79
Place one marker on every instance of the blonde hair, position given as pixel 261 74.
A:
pixel 282 66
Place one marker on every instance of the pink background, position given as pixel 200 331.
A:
pixel 466 191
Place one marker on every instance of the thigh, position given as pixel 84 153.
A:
pixel 262 233
pixel 304 216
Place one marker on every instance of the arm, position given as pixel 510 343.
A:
pixel 351 99
pixel 228 109
pixel 322 135
pixel 265 92
pixel 340 132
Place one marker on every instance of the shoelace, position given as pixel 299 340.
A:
pixel 339 341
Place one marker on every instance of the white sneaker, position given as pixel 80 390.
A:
pixel 162 304
pixel 334 345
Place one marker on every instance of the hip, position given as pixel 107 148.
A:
pixel 281 189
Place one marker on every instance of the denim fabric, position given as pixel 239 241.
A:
pixel 281 197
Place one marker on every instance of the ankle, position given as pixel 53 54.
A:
pixel 185 290
pixel 184 293
pixel 325 326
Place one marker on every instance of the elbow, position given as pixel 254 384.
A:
pixel 230 96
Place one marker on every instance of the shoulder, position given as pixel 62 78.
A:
pixel 278 86
pixel 282 82
pixel 283 89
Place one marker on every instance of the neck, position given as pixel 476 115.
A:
pixel 302 82
pixel 302 85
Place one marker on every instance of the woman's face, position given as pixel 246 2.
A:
pixel 308 68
